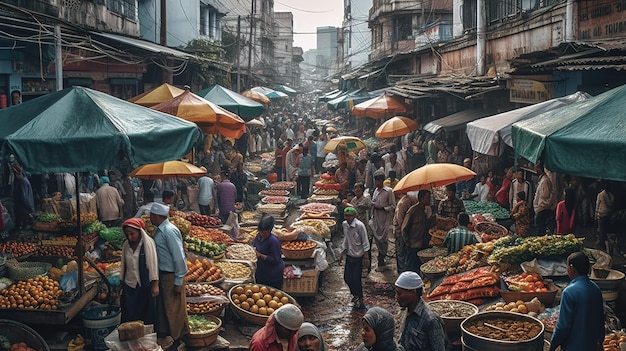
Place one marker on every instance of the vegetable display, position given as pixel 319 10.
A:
pixel 204 247
pixel 515 250
pixel 480 207
pixel 17 249
pixel 202 271
pixel 202 220
pixel 48 217
pixel 201 325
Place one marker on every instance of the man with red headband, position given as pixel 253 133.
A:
pixel 139 273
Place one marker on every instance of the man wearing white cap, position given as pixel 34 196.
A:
pixel 280 330
pixel 171 319
pixel 422 329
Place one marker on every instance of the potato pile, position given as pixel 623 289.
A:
pixel 203 289
pixel 532 307
pixel 234 270
pixel 39 293
pixel 241 252
pixel 258 299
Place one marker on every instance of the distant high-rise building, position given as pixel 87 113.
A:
pixel 357 36
pixel 326 49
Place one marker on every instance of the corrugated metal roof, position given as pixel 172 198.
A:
pixel 462 87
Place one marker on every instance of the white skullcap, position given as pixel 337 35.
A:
pixel 409 280
pixel 289 316
pixel 160 209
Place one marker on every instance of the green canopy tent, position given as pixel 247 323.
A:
pixel 78 129
pixel 349 100
pixel 287 90
pixel 270 93
pixel 582 139
pixel 233 102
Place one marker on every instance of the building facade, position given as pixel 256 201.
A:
pixel 326 55
pixel 356 34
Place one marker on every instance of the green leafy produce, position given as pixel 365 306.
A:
pixel 48 217
pixel 201 325
pixel 516 250
pixel 113 235
pixel 480 207
pixel 94 227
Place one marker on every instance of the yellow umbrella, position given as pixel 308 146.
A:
pixel 167 169
pixel 350 143
pixel 396 126
pixel 258 97
pixel 432 176
pixel 162 93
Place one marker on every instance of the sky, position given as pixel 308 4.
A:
pixel 308 15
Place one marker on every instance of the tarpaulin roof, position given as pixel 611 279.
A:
pixel 488 134
pixel 456 120
pixel 583 139
pixel 233 102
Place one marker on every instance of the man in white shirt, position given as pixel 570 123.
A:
pixel 481 191
pixel 393 164
pixel 206 194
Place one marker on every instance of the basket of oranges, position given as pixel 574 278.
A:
pixel 299 249
pixel 254 303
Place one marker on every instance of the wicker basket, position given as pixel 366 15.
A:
pixel 490 228
pixel 27 270
pixel 247 316
pixel 200 340
pixel 446 223
pixel 436 233
pixel 18 332
pixel 428 254
pixel 298 254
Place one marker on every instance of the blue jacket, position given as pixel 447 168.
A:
pixel 580 326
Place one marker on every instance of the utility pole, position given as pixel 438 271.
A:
pixel 252 10
pixel 238 56
pixel 167 74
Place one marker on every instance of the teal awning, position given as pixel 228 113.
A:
pixel 233 102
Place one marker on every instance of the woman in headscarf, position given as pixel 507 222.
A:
pixel 270 264
pixel 139 273
pixel 378 329
pixel 310 338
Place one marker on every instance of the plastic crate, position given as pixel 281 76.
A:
pixel 306 285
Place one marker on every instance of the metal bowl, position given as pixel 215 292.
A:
pixel 477 342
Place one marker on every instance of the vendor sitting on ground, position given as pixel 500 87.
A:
pixel 459 236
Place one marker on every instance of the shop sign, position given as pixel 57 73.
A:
pixel 530 91
pixel 605 19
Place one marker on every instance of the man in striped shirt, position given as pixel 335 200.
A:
pixel 459 236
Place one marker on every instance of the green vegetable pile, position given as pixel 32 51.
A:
pixel 94 227
pixel 515 250
pixel 48 217
pixel 480 207
pixel 201 325
pixel 113 235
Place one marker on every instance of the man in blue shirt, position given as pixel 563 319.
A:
pixel 581 320
pixel 171 303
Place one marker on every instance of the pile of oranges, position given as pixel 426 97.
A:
pixel 258 299
pixel 39 293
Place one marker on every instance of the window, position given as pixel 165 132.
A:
pixel 125 8
pixel 469 14
pixel 402 28
pixel 204 20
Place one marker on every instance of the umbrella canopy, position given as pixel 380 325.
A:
pixel 432 176
pixel 157 95
pixel 489 133
pixel 350 143
pixel 167 169
pixel 208 116
pixel 270 93
pixel 258 97
pixel 255 123
pixel 233 102
pixel 383 106
pixel 581 139
pixel 349 100
pixel 396 126
pixel 287 90
pixel 78 129
pixel 331 95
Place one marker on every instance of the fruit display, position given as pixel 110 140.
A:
pixel 202 220
pixel 261 300
pixel 56 250
pixel 18 346
pixel 194 289
pixel 515 250
pixel 48 217
pixel 275 200
pixel 209 234
pixel 327 181
pixel 182 224
pixel 241 252
pixel 273 192
pixel 506 329
pixel 201 325
pixel 298 245
pixel 613 340
pixel 206 248
pixel 234 270
pixel 39 293
pixel 470 257
pixel 526 282
pixel 200 271
pixel 318 208
pixel 204 298
pixel 283 185
pixel 480 207
pixel 469 286
pixel 85 218
pixel 532 307
pixel 17 249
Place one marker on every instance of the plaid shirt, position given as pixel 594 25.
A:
pixel 450 207
pixel 457 238
pixel 423 330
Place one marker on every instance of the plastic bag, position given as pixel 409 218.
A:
pixel 545 267
pixel 69 281
pixel 233 222
pixel 147 342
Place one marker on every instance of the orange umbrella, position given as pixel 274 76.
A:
pixel 157 95
pixel 383 106
pixel 208 116
pixel 167 169
pixel 396 126
pixel 258 97
pixel 432 176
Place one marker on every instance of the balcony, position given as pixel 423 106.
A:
pixel 384 7
pixel 435 33
pixel 41 6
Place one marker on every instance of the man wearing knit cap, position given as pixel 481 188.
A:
pixel 355 245
pixel 423 329
pixel 280 330
pixel 172 321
